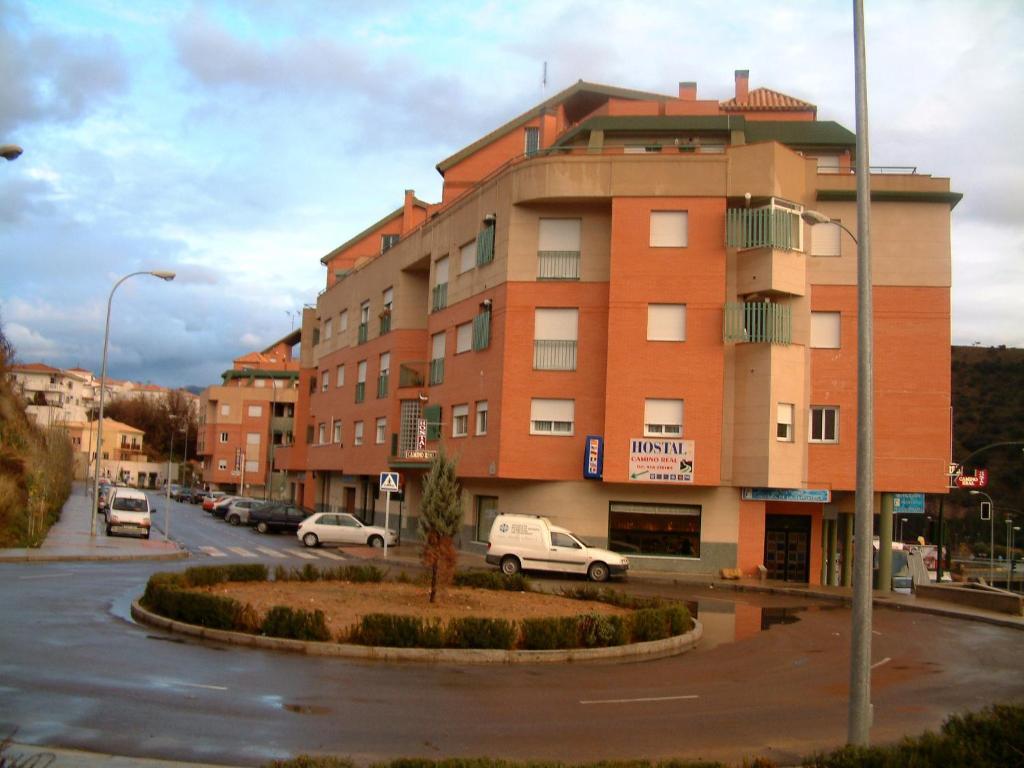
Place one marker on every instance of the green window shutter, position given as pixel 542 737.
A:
pixel 482 330
pixel 485 246
pixel 432 413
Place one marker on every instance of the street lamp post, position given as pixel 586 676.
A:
pixel 170 456
pixel 1009 561
pixel 184 459
pixel 992 534
pixel 163 275
pixel 10 151
pixel 1013 550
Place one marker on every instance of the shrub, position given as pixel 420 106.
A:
pixel 391 631
pixel 361 574
pixel 659 623
pixel 281 574
pixel 474 632
pixel 492 580
pixel 596 630
pixel 295 623
pixel 313 761
pixel 199 608
pixel 208 575
pixel 548 633
pixel 309 572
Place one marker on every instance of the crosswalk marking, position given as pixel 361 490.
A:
pixel 213 552
pixel 305 555
pixel 271 552
pixel 329 555
pixel 243 552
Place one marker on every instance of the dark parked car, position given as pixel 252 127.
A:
pixel 181 493
pixel 198 495
pixel 277 516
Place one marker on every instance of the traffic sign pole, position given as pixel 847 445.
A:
pixel 389 483
pixel 387 521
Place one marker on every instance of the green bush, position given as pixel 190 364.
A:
pixel 281 574
pixel 309 572
pixel 658 623
pixel 548 634
pixel 295 623
pixel 213 611
pixel 495 580
pixel 355 574
pixel 595 630
pixel 474 632
pixel 208 575
pixel 313 761
pixel 389 631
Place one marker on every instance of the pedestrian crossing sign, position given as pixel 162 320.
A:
pixel 389 482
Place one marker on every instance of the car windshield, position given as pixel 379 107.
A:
pixel 130 504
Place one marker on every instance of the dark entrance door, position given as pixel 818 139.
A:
pixel 787 547
pixel 350 500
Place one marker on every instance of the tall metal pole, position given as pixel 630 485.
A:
pixel 170 456
pixel 163 275
pixel 860 714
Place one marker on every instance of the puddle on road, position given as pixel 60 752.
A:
pixel 728 622
pixel 306 709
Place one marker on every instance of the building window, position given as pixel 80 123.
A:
pixel 223 437
pixel 225 410
pixel 361 381
pixel 558 249
pixel 343 321
pixel 463 338
pixel 666 322
pixel 460 420
pixel 439 293
pixel 252 438
pixel 668 229
pixel 482 327
pixel 481 417
pixel 322 433
pixel 252 465
pixel 531 140
pixel 385 312
pixel 551 417
pixel 336 431
pixel 382 430
pixel 825 330
pixel 554 339
pixel 485 243
pixel 824 424
pixel 432 416
pixel 328 329
pixel 437 358
pixel 784 423
pixel 255 411
pixel 384 374
pixel 825 240
pixel 654 529
pixel 364 322
pixel 358 436
pixel 467 257
pixel 325 380
pixel 486 511
pixel 222 464
pixel 663 417
pixel 340 376
pixel 386 241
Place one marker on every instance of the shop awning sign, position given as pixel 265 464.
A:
pixel 806 495
pixel 652 460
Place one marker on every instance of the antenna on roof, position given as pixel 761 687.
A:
pixel 544 80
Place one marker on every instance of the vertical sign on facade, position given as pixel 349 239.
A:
pixel 593 457
pixel 421 434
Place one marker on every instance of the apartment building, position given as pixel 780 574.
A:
pixel 54 396
pixel 248 417
pixel 617 317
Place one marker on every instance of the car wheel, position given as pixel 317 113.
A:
pixel 234 519
pixel 597 572
pixel 310 540
pixel 376 541
pixel 510 565
pixel 262 527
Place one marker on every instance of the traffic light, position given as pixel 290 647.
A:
pixel 986 510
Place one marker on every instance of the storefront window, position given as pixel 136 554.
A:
pixel 654 529
pixel 486 511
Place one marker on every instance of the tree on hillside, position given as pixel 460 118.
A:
pixel 153 417
pixel 440 518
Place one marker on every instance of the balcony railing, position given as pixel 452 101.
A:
pixel 364 332
pixel 385 323
pixel 436 371
pixel 550 355
pixel 382 385
pixel 412 374
pixel 758 322
pixel 762 228
pixel 360 391
pixel 558 265
pixel 439 297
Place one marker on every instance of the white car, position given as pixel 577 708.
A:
pixel 341 528
pixel 128 512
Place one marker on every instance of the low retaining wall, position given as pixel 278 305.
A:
pixel 976 596
pixel 654 649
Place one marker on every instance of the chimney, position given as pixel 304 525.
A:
pixel 742 84
pixel 688 91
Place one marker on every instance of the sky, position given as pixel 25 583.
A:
pixel 236 142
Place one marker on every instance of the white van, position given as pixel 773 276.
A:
pixel 531 542
pixel 128 512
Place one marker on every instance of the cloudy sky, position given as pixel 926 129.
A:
pixel 238 141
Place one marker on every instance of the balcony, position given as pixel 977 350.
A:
pixel 762 228
pixel 439 297
pixel 364 331
pixel 385 322
pixel 550 355
pixel 412 374
pixel 360 391
pixel 558 265
pixel 382 385
pixel 436 371
pixel 758 322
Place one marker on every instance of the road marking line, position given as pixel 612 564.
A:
pixel 306 555
pixel 269 551
pixel 208 687
pixel 886 660
pixel 213 552
pixel 634 701
pixel 243 552
pixel 329 555
pixel 45 576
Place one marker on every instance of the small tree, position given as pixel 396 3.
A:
pixel 440 518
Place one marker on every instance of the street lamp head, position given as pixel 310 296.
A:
pixel 10 151
pixel 163 274
pixel 814 217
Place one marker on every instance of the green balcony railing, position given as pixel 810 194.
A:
pixel 558 265
pixel 762 228
pixel 382 385
pixel 360 391
pixel 758 322
pixel 364 332
pixel 482 330
pixel 552 355
pixel 385 323
pixel 439 297
pixel 436 371
pixel 411 374
pixel 485 246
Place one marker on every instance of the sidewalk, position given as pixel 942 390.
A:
pixel 69 539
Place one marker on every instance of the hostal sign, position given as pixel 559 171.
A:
pixel 660 461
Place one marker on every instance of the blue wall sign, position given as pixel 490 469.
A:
pixel 908 504
pixel 593 457
pixel 787 494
